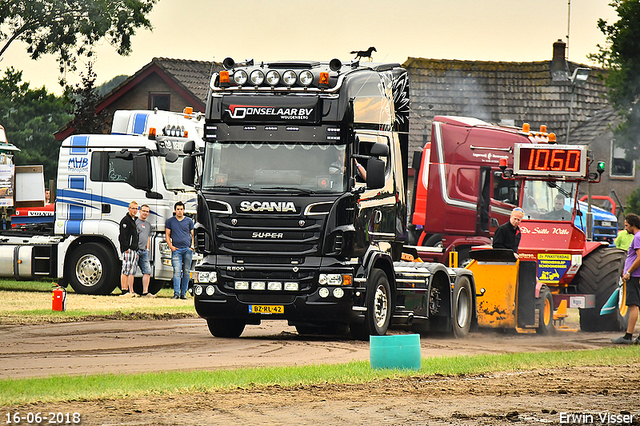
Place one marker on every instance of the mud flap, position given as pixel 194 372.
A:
pixel 526 308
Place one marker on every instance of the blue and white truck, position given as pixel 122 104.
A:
pixel 98 176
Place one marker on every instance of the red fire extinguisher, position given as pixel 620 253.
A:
pixel 59 298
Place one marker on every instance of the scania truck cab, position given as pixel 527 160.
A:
pixel 302 205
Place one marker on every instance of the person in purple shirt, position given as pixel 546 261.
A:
pixel 179 236
pixel 631 275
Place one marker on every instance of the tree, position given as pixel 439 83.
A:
pixel 30 118
pixel 84 100
pixel 621 55
pixel 69 28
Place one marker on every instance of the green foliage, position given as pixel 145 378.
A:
pixel 621 55
pixel 633 202
pixel 69 28
pixel 108 86
pixel 30 118
pixel 93 387
pixel 85 99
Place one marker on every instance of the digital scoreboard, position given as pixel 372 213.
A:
pixel 550 160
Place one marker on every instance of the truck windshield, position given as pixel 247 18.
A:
pixel 172 175
pixel 307 167
pixel 549 200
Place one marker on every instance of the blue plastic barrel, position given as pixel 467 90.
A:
pixel 395 352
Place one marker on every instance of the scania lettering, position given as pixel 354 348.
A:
pixel 98 176
pixel 314 244
pixel 266 206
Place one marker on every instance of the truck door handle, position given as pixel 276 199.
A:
pixel 377 217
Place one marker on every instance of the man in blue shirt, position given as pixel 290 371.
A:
pixel 179 235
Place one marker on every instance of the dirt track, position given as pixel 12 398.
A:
pixel 535 397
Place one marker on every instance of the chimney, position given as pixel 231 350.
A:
pixel 559 66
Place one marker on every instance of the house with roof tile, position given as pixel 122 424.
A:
pixel 510 93
pixel 166 84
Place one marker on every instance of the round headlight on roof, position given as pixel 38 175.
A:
pixel 289 78
pixel 240 77
pixel 306 78
pixel 273 78
pixel 257 77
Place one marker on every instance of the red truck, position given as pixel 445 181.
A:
pixel 462 196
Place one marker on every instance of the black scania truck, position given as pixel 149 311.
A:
pixel 302 205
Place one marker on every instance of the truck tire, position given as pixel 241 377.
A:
pixel 379 307
pixel 92 269
pixel 225 327
pixel 462 307
pixel 599 275
pixel 544 303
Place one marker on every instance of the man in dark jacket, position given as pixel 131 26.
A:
pixel 507 236
pixel 128 239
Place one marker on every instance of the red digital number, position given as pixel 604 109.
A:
pixel 556 160
pixel 575 166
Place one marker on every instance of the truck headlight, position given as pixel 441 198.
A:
pixel 289 78
pixel 273 78
pixel 306 78
pixel 240 77
pixel 197 289
pixel 206 277
pixel 257 77
pixel 330 279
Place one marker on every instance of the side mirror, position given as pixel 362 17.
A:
pixel 140 177
pixel 189 171
pixel 380 150
pixel 124 154
pixel 189 147
pixel 171 157
pixel 375 173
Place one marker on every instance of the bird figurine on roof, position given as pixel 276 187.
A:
pixel 364 53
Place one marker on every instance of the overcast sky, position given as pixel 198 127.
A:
pixel 493 30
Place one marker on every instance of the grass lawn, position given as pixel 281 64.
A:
pixel 28 302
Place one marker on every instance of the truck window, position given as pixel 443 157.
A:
pixel 106 167
pixel 505 190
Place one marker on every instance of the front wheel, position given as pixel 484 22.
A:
pixel 462 307
pixel 599 274
pixel 545 312
pixel 225 327
pixel 92 269
pixel 379 307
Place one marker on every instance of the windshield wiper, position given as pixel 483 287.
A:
pixel 233 189
pixel 286 188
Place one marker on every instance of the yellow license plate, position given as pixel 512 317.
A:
pixel 266 309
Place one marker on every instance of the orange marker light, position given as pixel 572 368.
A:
pixel 324 78
pixel 224 77
pixel 552 137
pixel 543 129
pixel 152 133
pixel 188 111
pixel 526 127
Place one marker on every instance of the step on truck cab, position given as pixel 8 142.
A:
pixel 98 176
pixel 302 205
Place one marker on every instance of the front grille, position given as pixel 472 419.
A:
pixel 293 237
